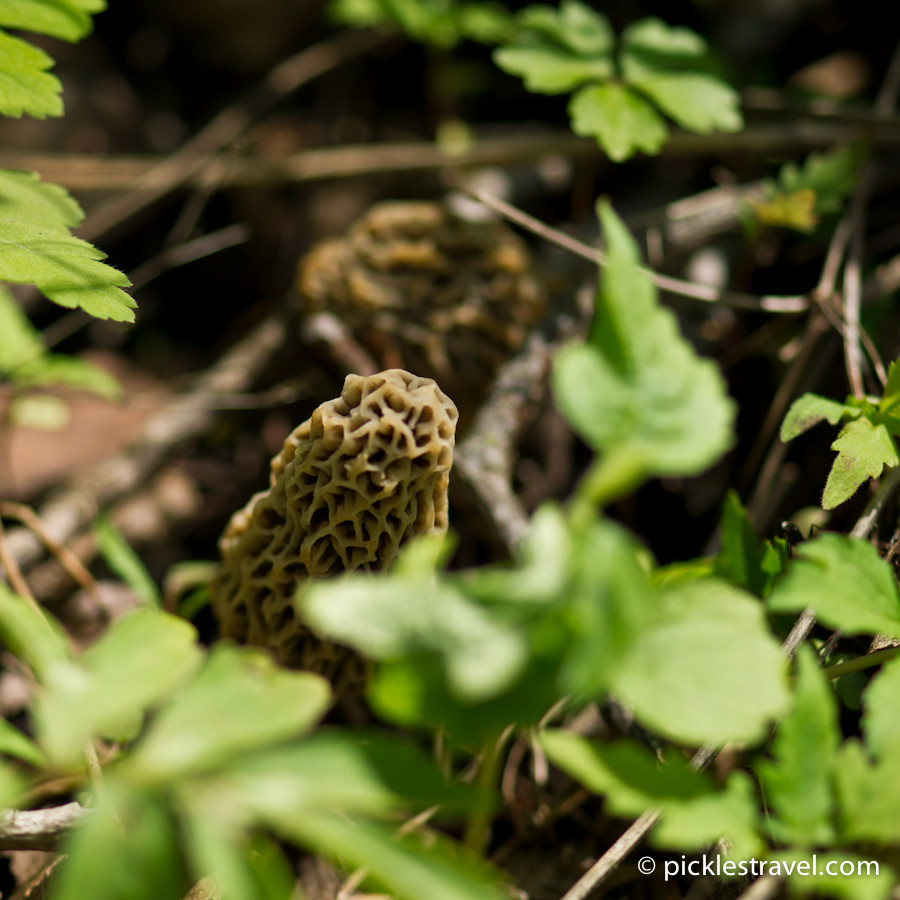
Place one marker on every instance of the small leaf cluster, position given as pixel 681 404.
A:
pixel 865 444
pixel 622 89
pixel 801 195
pixel 208 756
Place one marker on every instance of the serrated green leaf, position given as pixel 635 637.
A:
pixel 620 120
pixel 58 18
pixel 744 560
pixel 649 45
pixel 25 198
pixel 240 701
pixel 847 583
pixel 128 846
pixel 881 715
pixel 14 743
pixel 25 84
pixel 142 658
pixel 701 628
pixel 890 400
pixel 809 410
pixel 867 795
pixel 797 780
pixel 122 559
pixel 637 391
pixel 559 49
pixel 698 103
pixel 864 449
pixel 64 268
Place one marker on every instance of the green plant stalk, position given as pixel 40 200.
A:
pixel 861 663
pixel 478 822
pixel 610 476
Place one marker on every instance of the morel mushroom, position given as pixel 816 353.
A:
pixel 364 474
pixel 421 288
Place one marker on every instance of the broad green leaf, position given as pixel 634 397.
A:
pixel 744 560
pixel 845 581
pixel 809 410
pixel 881 716
pixel 861 879
pixel 122 559
pixel 361 773
pixel 389 618
pixel 867 795
pixel 25 84
pixel 25 198
pixel 11 787
pixel 127 847
pixel 797 779
pixel 32 634
pixel 58 18
pixel 671 66
pixel 637 391
pixel 701 628
pixel 20 342
pixel 831 176
pixel 14 743
pixel 408 867
pixel 64 268
pixel 864 449
pixel 698 103
pixel 240 701
pixel 142 658
pixel 695 814
pixel 559 50
pixel 622 122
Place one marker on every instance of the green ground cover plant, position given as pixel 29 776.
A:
pixel 192 762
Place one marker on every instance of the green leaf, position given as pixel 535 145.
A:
pixel 360 773
pixel 671 66
pixel 845 581
pixel 881 716
pixel 744 560
pixel 864 449
pixel 797 780
pixel 809 410
pixel 36 247
pixel 408 868
pixel 831 176
pixel 890 400
pixel 25 84
pixel 867 795
pixel 122 559
pixel 637 391
pixel 622 122
pixel 142 658
pixel 240 701
pixel 20 342
pixel 14 743
pixel 698 103
pixel 65 19
pixel 632 779
pixel 707 668
pixel 127 847
pixel 870 879
pixel 558 50
pixel 41 411
pixel 32 634
pixel 11 787
pixel 794 210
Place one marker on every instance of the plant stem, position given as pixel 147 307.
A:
pixel 861 663
pixel 478 823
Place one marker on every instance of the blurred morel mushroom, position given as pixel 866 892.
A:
pixel 421 288
pixel 365 473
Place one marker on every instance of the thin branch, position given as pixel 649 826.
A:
pixel 39 829
pixel 780 304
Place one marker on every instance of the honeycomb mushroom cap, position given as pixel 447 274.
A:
pixel 422 288
pixel 361 476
